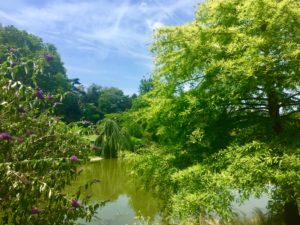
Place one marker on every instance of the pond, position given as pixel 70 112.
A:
pixel 127 202
pixel 126 199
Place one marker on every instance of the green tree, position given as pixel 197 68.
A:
pixel 69 108
pixel 145 86
pixel 91 112
pixel 112 100
pixel 227 92
pixel 51 76
pixel 92 93
pixel 110 139
pixel 90 107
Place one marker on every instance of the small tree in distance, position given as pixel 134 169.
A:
pixel 110 139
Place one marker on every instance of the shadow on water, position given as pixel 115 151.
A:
pixel 126 199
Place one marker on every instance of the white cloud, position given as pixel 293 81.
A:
pixel 101 27
pixel 121 26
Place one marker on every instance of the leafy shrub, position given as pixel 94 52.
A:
pixel 39 154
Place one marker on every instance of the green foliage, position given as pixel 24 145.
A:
pixel 146 85
pixel 50 77
pixel 70 108
pixel 150 163
pixel 97 101
pixel 112 100
pixel 38 153
pixel 110 139
pixel 226 94
pixel 252 169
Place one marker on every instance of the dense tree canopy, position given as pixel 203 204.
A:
pixel 78 103
pixel 145 86
pixel 110 138
pixel 97 101
pixel 226 97
pixel 112 100
pixel 51 76
pixel 216 123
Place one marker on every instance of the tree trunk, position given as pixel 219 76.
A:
pixel 291 213
pixel 291 210
pixel 274 107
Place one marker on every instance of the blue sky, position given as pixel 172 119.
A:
pixel 100 41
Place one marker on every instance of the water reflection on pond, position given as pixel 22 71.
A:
pixel 126 199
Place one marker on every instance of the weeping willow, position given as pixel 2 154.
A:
pixel 111 139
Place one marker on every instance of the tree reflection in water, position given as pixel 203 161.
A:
pixel 126 199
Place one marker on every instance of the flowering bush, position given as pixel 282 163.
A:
pixel 38 153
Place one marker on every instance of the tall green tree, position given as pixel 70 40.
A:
pixel 227 92
pixel 52 75
pixel 92 93
pixel 112 100
pixel 145 86
pixel 91 111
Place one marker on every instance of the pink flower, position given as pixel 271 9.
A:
pixel 12 50
pixel 74 158
pixel 5 136
pixel 48 57
pixel 75 203
pixel 39 94
pixel 35 210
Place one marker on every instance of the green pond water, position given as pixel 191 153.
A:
pixel 126 199
pixel 127 202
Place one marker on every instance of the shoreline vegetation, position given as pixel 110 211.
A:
pixel 219 112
